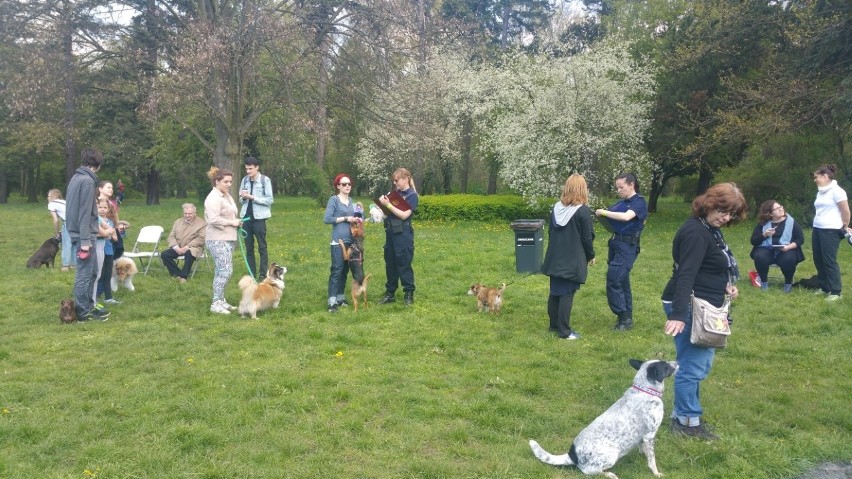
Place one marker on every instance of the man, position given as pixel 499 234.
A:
pixel 256 201
pixel 627 220
pixel 81 213
pixel 186 239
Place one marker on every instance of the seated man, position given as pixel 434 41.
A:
pixel 187 240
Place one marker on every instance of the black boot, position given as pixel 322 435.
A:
pixel 625 322
pixel 387 298
pixel 409 298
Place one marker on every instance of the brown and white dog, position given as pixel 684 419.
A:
pixel 488 299
pixel 123 271
pixel 67 311
pixel 354 255
pixel 46 254
pixel 264 295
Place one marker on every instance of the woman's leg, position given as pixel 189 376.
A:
pixel 786 260
pixel 763 257
pixel 694 366
pixel 563 315
pixel 336 275
pixel 222 252
pixel 105 283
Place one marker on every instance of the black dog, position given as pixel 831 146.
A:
pixel 46 255
pixel 807 283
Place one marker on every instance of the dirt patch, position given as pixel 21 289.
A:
pixel 829 470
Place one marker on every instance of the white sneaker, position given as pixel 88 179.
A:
pixel 833 297
pixel 217 307
pixel 228 306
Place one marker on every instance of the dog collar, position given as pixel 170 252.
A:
pixel 651 391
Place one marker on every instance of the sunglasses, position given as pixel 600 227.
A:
pixel 345 184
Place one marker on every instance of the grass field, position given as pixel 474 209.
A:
pixel 165 389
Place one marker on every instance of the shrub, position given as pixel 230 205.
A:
pixel 481 208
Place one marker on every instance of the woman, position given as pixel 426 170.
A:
pixel 339 212
pixel 399 238
pixel 704 266
pixel 627 219
pixel 570 250
pixel 108 217
pixel 220 212
pixel 831 224
pixel 56 207
pixel 777 239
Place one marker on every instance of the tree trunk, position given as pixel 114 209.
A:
pixel 467 133
pixel 69 122
pixel 4 186
pixel 152 187
pixel 658 183
pixel 705 177
pixel 493 167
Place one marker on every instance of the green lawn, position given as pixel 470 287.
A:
pixel 165 389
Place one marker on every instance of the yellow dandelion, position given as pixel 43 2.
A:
pixel 189 360
pixel 339 354
pixel 5 410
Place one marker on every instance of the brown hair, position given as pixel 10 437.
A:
pixel 216 174
pixel 828 170
pixel 764 213
pixel 404 173
pixel 722 197
pixel 111 214
pixel 575 191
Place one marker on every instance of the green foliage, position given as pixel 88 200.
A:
pixel 165 389
pixel 481 208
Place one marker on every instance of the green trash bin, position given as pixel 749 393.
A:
pixel 529 245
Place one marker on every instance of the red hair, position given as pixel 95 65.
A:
pixel 340 177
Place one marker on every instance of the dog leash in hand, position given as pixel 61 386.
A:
pixel 243 234
pixel 522 277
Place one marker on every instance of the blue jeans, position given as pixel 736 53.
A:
pixel 337 275
pixel 694 366
pixel 85 278
pixel 67 248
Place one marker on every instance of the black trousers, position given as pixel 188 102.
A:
pixel 825 244
pixel 169 258
pixel 786 260
pixel 256 229
pixel 559 311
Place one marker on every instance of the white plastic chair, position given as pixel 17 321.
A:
pixel 149 236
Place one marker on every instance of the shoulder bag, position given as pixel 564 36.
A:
pixel 710 328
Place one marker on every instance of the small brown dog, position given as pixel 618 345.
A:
pixel 263 295
pixel 354 255
pixel 46 254
pixel 67 311
pixel 488 299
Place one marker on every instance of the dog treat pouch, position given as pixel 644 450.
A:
pixel 396 225
pixel 710 328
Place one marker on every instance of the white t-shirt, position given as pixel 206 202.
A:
pixel 827 212
pixel 58 206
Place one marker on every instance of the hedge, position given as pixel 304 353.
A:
pixel 481 208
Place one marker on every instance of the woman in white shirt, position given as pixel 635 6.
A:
pixel 831 224
pixel 56 206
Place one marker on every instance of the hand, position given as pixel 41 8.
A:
pixel 769 232
pixel 384 200
pixel 732 291
pixel 592 261
pixel 674 327
pixel 598 212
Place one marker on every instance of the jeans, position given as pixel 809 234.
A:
pixel 622 255
pixel 67 248
pixel 256 229
pixel 695 363
pixel 85 276
pixel 337 275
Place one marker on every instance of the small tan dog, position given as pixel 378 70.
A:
pixel 488 299
pixel 123 271
pixel 263 295
pixel 354 255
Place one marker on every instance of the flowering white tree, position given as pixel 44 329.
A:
pixel 585 114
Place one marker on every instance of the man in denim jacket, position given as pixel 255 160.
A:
pixel 256 201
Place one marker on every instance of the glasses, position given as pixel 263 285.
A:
pixel 779 207
pixel 345 184
pixel 724 213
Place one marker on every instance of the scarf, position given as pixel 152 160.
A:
pixel 733 268
pixel 823 189
pixel 786 235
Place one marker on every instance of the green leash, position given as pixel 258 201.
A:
pixel 243 234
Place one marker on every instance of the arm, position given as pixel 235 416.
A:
pixel 56 221
pixel 263 198
pixel 587 234
pixel 757 235
pixel 330 209
pixel 797 240
pixel 213 213
pixel 844 214
pixel 196 238
pixel 625 216
pixel 173 242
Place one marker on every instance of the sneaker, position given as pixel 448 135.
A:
pixel 227 306
pixel 112 301
pixel 217 307
pixel 764 286
pixel 100 314
pixel 333 308
pixel 833 297
pixel 181 280
pixel 819 292
pixel 699 432
pixel 572 335
pixel 788 288
pixel 342 303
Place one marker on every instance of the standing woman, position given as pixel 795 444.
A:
pixel 339 212
pixel 220 212
pixel 704 266
pixel 56 206
pixel 399 239
pixel 777 239
pixel 628 220
pixel 570 251
pixel 831 224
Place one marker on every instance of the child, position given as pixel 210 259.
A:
pixel 106 235
pixel 56 206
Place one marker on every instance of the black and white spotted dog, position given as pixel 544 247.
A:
pixel 632 420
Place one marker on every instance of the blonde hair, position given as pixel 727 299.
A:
pixel 54 194
pixel 216 174
pixel 575 191
pixel 404 173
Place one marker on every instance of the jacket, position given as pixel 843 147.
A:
pixel 220 211
pixel 189 234
pixel 262 202
pixel 570 247
pixel 81 207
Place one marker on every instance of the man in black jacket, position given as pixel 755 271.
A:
pixel 81 214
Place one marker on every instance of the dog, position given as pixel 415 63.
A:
pixel 354 255
pixel 264 295
pixel 808 283
pixel 67 311
pixel 488 299
pixel 376 214
pixel 633 419
pixel 123 271
pixel 46 254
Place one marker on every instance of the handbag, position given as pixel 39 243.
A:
pixel 710 328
